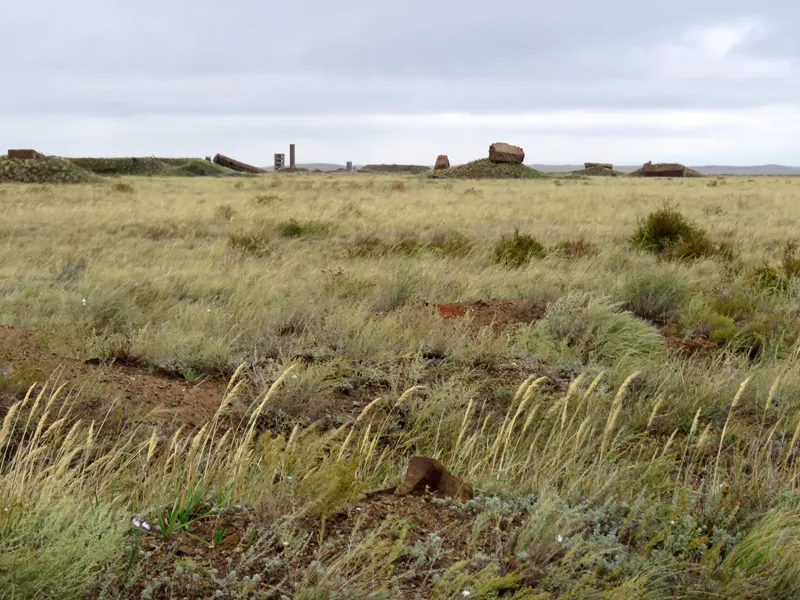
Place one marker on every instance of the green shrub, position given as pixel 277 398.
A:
pixel 594 330
pixel 517 250
pixel 655 295
pixel 668 233
pixel 701 319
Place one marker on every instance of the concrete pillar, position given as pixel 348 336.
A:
pixel 291 156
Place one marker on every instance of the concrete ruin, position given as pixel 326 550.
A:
pixel 663 170
pixel 225 161
pixel 24 154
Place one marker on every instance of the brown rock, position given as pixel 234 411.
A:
pixel 26 154
pixel 428 475
pixel 506 153
pixel 442 162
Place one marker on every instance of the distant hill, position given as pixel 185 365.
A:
pixel 707 169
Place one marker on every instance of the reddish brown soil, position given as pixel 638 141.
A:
pixel 27 357
pixel 499 315
pixel 691 346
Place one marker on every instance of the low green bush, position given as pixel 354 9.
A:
pixel 517 250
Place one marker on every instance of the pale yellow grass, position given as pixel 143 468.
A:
pixel 160 256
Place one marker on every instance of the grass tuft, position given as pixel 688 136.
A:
pixel 517 250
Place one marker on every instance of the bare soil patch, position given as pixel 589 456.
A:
pixel 498 315
pixel 27 357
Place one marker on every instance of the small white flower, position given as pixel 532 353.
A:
pixel 294 375
pixel 672 522
pixel 466 593
pixel 209 310
pixel 136 522
pixel 559 538
pixel 146 525
pixel 83 302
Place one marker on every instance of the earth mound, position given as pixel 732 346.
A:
pixel 122 166
pixel 486 169
pixel 597 172
pixel 197 167
pixel 47 169
pixel 665 169
pixel 413 169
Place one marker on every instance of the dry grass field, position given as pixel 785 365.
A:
pixel 199 378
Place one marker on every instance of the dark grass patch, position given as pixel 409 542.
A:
pixel 597 172
pixel 578 248
pixel 264 199
pixel 202 168
pixel 225 212
pixel 442 244
pixel 688 173
pixel 768 335
pixel 486 169
pixel 778 278
pixel 411 169
pixel 298 229
pixel 122 166
pixel 124 188
pixel 48 169
pixel 516 250
pixel 256 243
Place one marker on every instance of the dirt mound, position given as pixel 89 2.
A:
pixel 26 357
pixel 122 166
pixel 47 169
pixel 597 172
pixel 486 169
pixel 413 169
pixel 665 170
pixel 202 168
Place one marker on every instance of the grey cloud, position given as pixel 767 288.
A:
pixel 127 60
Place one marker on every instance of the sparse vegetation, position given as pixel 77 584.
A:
pixel 236 372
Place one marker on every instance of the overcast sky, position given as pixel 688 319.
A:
pixel 700 81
